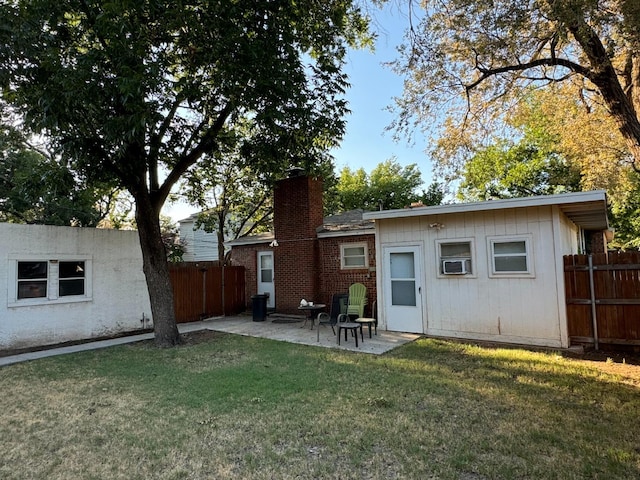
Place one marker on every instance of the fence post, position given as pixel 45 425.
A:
pixel 594 318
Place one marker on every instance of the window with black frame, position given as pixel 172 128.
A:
pixel 71 279
pixel 32 279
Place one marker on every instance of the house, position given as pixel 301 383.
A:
pixel 484 271
pixel 199 246
pixel 306 256
pixel 60 284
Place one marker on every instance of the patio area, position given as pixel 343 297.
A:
pixel 293 329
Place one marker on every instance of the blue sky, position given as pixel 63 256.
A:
pixel 373 87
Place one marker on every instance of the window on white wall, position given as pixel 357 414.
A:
pixel 455 257
pixel 32 279
pixel 353 255
pixel 71 279
pixel 510 256
pixel 49 281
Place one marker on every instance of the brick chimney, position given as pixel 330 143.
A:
pixel 298 211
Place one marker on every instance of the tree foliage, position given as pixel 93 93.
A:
pixel 472 61
pixel 38 189
pixel 528 167
pixel 389 184
pixel 141 91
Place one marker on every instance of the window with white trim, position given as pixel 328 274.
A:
pixel 455 257
pixel 510 256
pixel 353 255
pixel 32 279
pixel 40 281
pixel 71 279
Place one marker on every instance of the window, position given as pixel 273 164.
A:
pixel 37 281
pixel 455 257
pixel 71 275
pixel 32 279
pixel 510 256
pixel 353 255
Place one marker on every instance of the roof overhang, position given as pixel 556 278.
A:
pixel 588 210
pixel 347 233
pixel 252 239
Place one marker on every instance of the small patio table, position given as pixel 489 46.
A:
pixel 312 311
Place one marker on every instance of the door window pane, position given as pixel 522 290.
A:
pixel 402 265
pixel 266 262
pixel 403 292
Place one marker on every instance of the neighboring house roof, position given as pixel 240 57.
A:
pixel 587 210
pixel 191 218
pixel 252 239
pixel 343 224
pixel 346 224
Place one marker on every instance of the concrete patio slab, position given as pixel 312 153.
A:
pixel 297 332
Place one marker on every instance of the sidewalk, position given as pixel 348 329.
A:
pixel 50 352
pixel 241 325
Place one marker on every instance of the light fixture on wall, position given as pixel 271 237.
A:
pixel 274 243
pixel 436 225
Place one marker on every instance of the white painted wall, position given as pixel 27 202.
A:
pixel 200 246
pixel 115 299
pixel 511 309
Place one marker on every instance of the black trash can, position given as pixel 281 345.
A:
pixel 259 307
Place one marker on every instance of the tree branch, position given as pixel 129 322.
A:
pixel 206 144
pixel 549 62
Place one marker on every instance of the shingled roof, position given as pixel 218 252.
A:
pixel 346 223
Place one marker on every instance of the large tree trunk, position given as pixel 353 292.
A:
pixel 604 76
pixel 156 271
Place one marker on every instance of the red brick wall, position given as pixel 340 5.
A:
pixel 247 256
pixel 304 266
pixel 335 280
pixel 298 211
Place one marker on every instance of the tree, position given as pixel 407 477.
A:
pixel 389 184
pixel 487 53
pixel 38 189
pixel 507 169
pixel 235 199
pixel 139 92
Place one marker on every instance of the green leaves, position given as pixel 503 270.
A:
pixel 389 184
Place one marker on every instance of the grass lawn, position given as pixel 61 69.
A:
pixel 226 406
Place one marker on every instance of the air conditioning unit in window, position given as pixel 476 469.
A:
pixel 454 267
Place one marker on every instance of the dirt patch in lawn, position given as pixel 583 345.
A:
pixel 624 364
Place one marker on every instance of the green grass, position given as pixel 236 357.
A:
pixel 238 407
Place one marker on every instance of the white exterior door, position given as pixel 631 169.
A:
pixel 265 277
pixel 403 289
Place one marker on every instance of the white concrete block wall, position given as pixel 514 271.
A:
pixel 116 295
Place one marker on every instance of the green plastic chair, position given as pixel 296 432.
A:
pixel 357 300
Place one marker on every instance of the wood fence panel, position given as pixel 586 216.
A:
pixel 616 297
pixel 198 289
pixel 577 290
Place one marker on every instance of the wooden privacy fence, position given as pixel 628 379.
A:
pixel 203 289
pixel 603 298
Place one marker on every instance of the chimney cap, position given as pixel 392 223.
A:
pixel 295 172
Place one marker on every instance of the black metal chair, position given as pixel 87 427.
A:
pixel 345 323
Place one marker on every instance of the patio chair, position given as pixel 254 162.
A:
pixel 357 300
pixel 338 306
pixel 369 321
pixel 345 323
